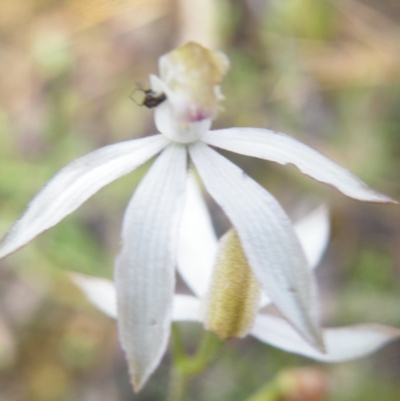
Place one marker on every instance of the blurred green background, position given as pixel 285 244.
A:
pixel 324 71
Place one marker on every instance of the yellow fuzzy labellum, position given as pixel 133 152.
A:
pixel 196 72
pixel 234 294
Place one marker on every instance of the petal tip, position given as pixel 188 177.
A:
pixel 392 201
pixel 138 382
pixel 382 198
pixel 5 248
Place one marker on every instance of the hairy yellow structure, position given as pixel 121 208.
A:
pixel 234 295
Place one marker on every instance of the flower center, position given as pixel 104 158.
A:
pixel 190 78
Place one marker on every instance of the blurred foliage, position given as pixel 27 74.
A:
pixel 324 71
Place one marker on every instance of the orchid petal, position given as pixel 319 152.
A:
pixel 283 149
pixel 186 308
pixel 77 182
pixel 99 291
pixel 267 236
pixel 197 243
pixel 264 300
pixel 313 233
pixel 144 275
pixel 342 343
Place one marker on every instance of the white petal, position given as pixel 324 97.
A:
pixel 144 275
pixel 313 233
pixel 99 291
pixel 77 182
pixel 342 343
pixel 264 301
pixel 267 236
pixel 197 243
pixel 284 149
pixel 186 308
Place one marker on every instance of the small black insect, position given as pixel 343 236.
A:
pixel 151 98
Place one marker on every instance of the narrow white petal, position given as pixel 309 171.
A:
pixel 186 308
pixel 342 343
pixel 313 232
pixel 267 236
pixel 144 275
pixel 284 149
pixel 197 243
pixel 77 182
pixel 99 291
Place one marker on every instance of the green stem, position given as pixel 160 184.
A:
pixel 178 381
pixel 178 385
pixel 185 367
pixel 206 352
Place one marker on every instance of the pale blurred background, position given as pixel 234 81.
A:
pixel 325 71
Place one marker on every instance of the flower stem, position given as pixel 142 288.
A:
pixel 178 385
pixel 185 367
pixel 178 381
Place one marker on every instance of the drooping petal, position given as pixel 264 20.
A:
pixel 144 274
pixel 99 291
pixel 313 233
pixel 197 242
pixel 267 236
pixel 77 182
pixel 284 149
pixel 342 343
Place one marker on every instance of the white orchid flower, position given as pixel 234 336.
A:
pixel 144 272
pixel 196 268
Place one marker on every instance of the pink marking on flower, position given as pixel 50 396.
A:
pixel 196 114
